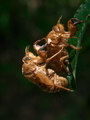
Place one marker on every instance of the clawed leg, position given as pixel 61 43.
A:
pixel 64 88
pixel 65 58
pixel 41 52
pixel 75 48
pixel 75 19
pixel 38 41
pixel 39 49
pixel 62 59
pixel 72 26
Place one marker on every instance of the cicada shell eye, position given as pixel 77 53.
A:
pixel 26 59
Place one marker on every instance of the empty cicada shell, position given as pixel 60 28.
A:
pixel 35 71
pixel 57 40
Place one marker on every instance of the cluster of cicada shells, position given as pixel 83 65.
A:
pixel 49 69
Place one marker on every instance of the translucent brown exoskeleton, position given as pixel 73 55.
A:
pixel 34 69
pixel 56 54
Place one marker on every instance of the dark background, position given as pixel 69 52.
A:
pixel 22 22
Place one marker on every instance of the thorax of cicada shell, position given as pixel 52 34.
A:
pixel 31 69
pixel 40 69
pixel 52 37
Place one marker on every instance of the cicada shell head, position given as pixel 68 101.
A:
pixel 28 66
pixel 59 28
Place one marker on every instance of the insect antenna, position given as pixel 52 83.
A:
pixel 27 49
pixel 58 22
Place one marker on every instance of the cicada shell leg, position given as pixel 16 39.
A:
pixel 72 26
pixel 75 48
pixel 78 21
pixel 63 60
pixel 39 49
pixel 48 59
pixel 64 88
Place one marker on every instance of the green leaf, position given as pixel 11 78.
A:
pixel 82 14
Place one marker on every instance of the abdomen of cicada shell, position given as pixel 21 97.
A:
pixel 47 84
